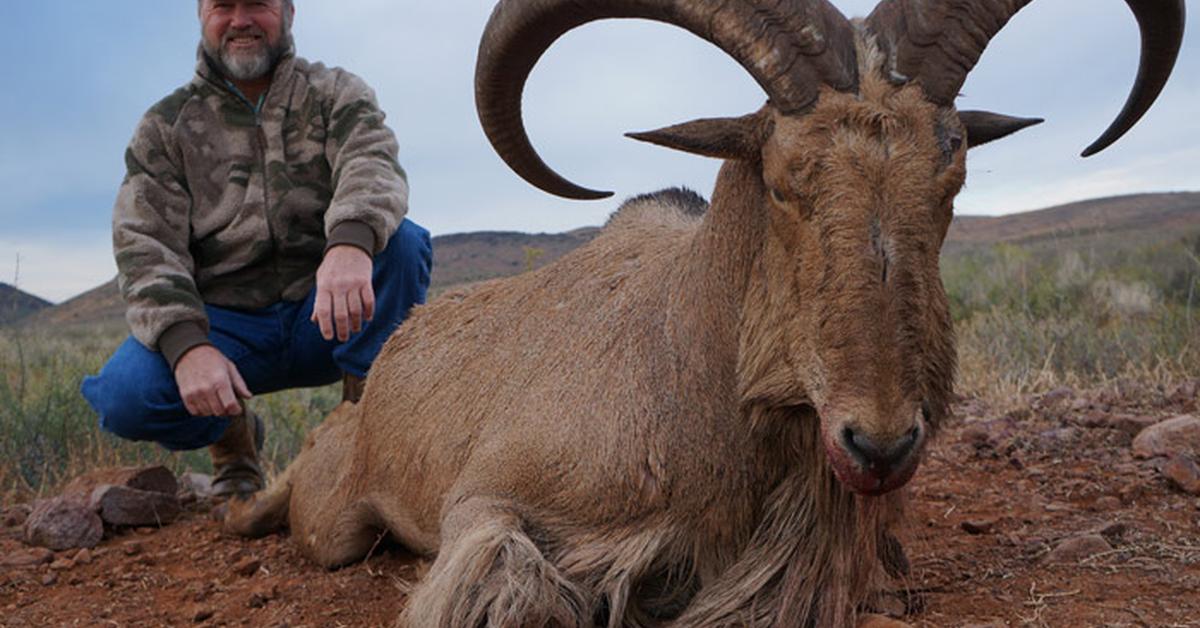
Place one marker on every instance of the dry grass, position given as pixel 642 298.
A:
pixel 1028 319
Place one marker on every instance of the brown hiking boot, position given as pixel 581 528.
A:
pixel 236 471
pixel 352 387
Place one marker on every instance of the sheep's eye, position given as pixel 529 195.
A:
pixel 777 196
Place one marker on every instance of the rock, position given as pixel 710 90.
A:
pixel 62 564
pixel 27 557
pixel 1113 531
pixel 124 506
pixel 247 567
pixel 988 434
pixel 261 595
pixel 1078 548
pixel 1180 435
pixel 1185 393
pixel 1127 423
pixel 198 484
pixel 976 436
pixel 84 557
pixel 157 479
pixel 991 623
pixel 1059 436
pixel 49 579
pixel 1183 474
pixel 203 614
pixel 977 527
pixel 15 516
pixel 61 524
pixel 132 548
pixel 1056 397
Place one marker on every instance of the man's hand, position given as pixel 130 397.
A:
pixel 345 298
pixel 209 383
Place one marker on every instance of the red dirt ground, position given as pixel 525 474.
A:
pixel 1022 481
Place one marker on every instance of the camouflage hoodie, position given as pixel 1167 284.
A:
pixel 232 207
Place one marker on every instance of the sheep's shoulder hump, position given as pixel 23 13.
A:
pixel 672 207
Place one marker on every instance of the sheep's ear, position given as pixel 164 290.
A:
pixel 723 138
pixel 985 126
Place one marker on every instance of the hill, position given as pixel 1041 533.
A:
pixel 469 257
pixel 16 304
pixel 1134 215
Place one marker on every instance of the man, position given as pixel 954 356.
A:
pixel 260 241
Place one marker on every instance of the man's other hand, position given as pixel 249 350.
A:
pixel 210 383
pixel 345 298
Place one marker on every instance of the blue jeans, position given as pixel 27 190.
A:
pixel 274 348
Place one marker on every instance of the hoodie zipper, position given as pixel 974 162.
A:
pixel 260 137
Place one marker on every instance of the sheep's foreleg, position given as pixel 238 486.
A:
pixel 489 572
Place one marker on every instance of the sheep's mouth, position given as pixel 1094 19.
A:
pixel 871 478
pixel 868 482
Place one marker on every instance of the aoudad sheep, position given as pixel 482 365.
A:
pixel 702 417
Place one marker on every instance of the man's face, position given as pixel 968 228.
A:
pixel 245 37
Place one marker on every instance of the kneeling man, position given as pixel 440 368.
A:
pixel 260 241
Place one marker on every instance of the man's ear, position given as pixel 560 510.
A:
pixel 985 126
pixel 723 138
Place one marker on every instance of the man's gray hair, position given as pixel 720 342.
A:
pixel 286 3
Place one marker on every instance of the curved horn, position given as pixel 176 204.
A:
pixel 938 42
pixel 790 47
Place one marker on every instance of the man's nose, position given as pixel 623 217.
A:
pixel 241 16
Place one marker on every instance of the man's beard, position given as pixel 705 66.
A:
pixel 251 66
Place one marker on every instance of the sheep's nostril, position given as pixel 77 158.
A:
pixel 879 458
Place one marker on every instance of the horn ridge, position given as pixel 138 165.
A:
pixel 790 47
pixel 938 42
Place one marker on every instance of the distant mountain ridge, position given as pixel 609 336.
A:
pixel 16 304
pixel 1133 213
pixel 469 257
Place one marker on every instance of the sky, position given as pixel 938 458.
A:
pixel 79 74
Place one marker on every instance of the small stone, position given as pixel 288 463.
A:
pixel 1132 424
pixel 1108 503
pixel 124 506
pixel 156 479
pixel 15 516
pixel 61 524
pixel 62 564
pixel 49 579
pixel 977 436
pixel 991 623
pixel 1016 463
pixel 1057 396
pixel 1184 474
pixel 84 557
pixel 1113 531
pixel 977 527
pixel 27 558
pixel 247 567
pixel 1078 548
pixel 1081 404
pixel 261 595
pixel 197 484
pixel 1186 392
pixel 132 548
pixel 1179 435
pixel 1059 436
pixel 203 614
